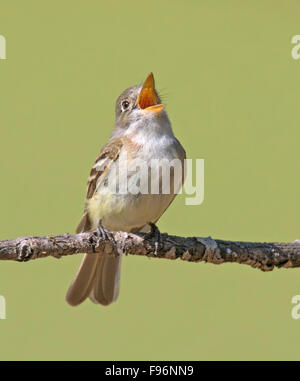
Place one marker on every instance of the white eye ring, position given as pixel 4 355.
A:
pixel 125 105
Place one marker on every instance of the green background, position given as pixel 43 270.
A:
pixel 232 91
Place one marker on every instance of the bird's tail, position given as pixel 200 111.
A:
pixel 106 285
pixel 97 277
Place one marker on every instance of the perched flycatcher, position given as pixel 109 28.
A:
pixel 142 134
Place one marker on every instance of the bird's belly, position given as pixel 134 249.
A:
pixel 126 212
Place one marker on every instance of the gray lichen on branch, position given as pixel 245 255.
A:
pixel 264 256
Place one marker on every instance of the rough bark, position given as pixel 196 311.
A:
pixel 264 256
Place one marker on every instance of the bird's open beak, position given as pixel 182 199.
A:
pixel 148 100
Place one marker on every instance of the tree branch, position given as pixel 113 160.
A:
pixel 264 256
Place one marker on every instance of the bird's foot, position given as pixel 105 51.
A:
pixel 156 235
pixel 103 234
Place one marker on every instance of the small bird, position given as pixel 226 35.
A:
pixel 142 132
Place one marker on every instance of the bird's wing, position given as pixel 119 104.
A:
pixel 109 153
pixel 97 275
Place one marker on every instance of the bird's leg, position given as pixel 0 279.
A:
pixel 103 234
pixel 155 233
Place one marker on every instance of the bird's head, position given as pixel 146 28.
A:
pixel 139 103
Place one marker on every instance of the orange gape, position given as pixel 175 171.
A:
pixel 148 98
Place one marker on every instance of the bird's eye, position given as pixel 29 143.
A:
pixel 125 105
